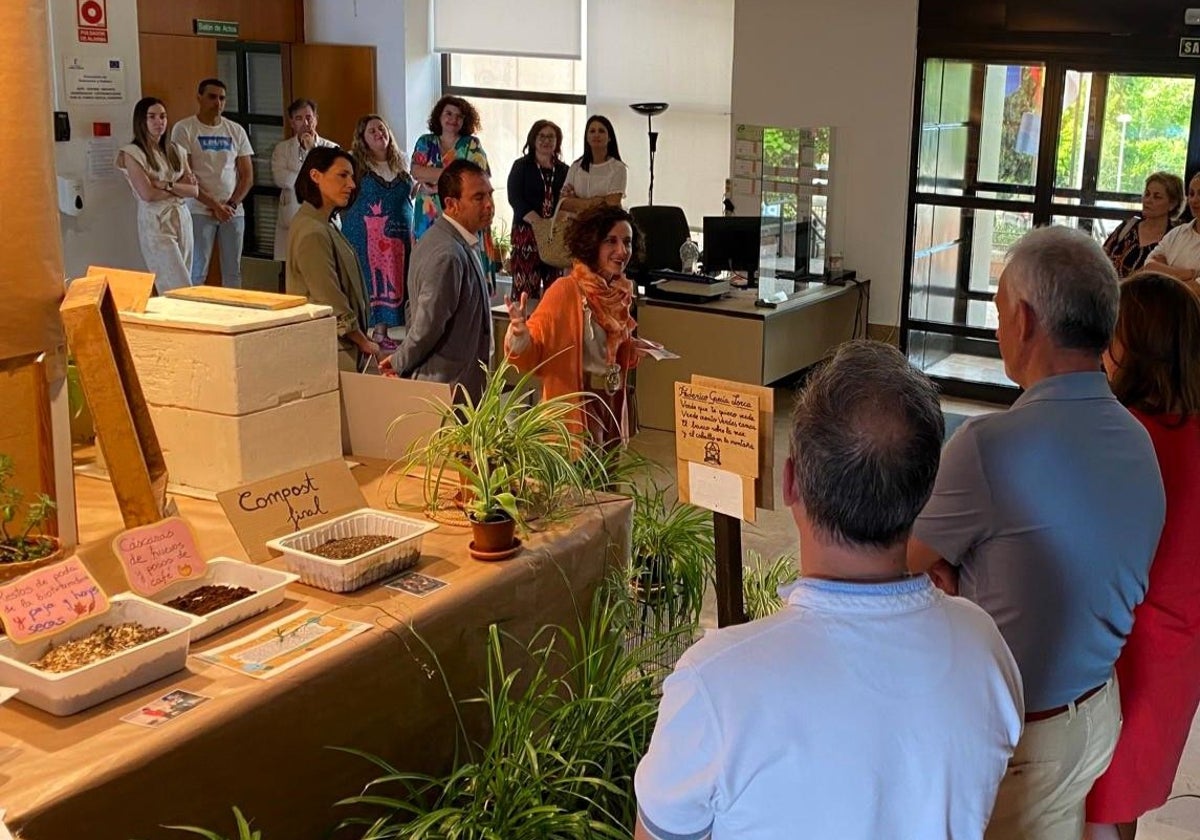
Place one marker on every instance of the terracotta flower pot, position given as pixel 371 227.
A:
pixel 497 534
pixel 12 571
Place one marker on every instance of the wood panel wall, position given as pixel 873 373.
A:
pixel 261 20
pixel 172 65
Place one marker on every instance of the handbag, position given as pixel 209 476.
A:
pixel 551 238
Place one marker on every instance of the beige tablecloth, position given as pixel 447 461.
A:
pixel 263 744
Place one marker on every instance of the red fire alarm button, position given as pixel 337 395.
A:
pixel 101 129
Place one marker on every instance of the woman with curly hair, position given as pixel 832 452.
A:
pixel 1153 366
pixel 379 223
pixel 582 331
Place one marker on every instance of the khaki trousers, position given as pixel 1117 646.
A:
pixel 1056 761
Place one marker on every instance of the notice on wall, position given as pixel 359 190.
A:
pixel 716 427
pixel 94 81
pixel 49 600
pixel 102 158
pixel 157 555
pixel 286 503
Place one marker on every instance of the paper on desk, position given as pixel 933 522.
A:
pixel 283 644
pixel 653 349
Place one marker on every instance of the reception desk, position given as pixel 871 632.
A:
pixel 732 338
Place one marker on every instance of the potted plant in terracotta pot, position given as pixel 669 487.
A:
pixel 492 508
pixel 502 443
pixel 24 545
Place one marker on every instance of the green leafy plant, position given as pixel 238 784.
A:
pixel 672 557
pixel 244 831
pixel 21 544
pixel 567 728
pixel 761 582
pixel 520 458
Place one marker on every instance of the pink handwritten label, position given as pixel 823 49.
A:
pixel 155 556
pixel 49 600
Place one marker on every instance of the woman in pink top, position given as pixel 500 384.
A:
pixel 1153 365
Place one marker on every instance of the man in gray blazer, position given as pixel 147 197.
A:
pixel 448 312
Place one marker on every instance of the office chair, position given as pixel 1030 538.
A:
pixel 664 229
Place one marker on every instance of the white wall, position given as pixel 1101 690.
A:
pixel 406 73
pixel 105 233
pixel 849 64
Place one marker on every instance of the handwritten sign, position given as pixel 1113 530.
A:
pixel 157 555
pixel 286 503
pixel 764 483
pixel 716 427
pixel 49 600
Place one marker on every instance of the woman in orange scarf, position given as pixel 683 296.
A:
pixel 582 331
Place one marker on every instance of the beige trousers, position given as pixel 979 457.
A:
pixel 1056 761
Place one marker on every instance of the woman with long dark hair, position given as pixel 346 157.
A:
pixel 599 175
pixel 535 184
pixel 157 172
pixel 321 263
pixel 1153 366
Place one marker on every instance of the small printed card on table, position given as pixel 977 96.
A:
pixel 166 708
pixel 415 583
pixel 49 600
pixel 155 556
pixel 284 644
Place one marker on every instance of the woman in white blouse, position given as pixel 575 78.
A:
pixel 599 176
pixel 1178 252
pixel 158 173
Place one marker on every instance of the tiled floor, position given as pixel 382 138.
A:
pixel 775 534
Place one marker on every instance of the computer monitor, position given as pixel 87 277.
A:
pixel 731 243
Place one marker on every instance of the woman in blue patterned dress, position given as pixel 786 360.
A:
pixel 379 223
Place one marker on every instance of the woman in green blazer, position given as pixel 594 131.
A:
pixel 321 263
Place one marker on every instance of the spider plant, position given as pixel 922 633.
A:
pixel 568 726
pixel 501 434
pixel 23 542
pixel 672 558
pixel 761 582
pixel 244 832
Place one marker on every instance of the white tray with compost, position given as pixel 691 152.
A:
pixel 230 591
pixel 350 551
pixel 131 645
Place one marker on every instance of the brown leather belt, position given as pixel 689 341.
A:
pixel 1046 714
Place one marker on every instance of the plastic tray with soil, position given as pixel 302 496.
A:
pixel 205 599
pixel 346 547
pixel 105 641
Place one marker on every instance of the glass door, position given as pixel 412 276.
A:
pixel 1001 148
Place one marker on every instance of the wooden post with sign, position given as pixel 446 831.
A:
pixel 724 444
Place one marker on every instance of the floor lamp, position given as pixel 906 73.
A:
pixel 650 109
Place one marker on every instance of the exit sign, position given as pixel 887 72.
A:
pixel 1189 47
pixel 216 28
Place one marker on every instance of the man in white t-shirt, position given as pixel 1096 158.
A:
pixel 872 705
pixel 219 154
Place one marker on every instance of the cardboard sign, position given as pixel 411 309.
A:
pixel 764 484
pixel 382 416
pixel 286 503
pixel 49 600
pixel 130 289
pixel 717 427
pixel 155 556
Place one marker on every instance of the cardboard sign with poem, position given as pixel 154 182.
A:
pixel 286 503
pixel 49 600
pixel 155 556
pixel 717 447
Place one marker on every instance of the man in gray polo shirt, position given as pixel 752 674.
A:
pixel 1051 512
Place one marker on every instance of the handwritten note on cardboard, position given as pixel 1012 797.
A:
pixel 157 555
pixel 49 600
pixel 717 427
pixel 286 503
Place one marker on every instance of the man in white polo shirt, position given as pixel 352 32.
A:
pixel 219 154
pixel 872 705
